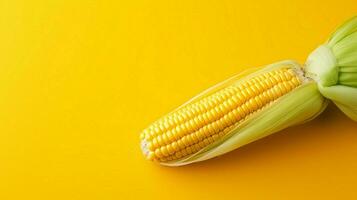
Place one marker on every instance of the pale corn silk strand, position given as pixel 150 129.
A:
pixel 251 107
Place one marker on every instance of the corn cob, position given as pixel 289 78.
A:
pixel 199 124
pixel 246 108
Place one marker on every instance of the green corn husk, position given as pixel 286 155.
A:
pixel 330 73
pixel 334 67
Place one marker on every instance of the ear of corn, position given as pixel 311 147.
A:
pixel 251 106
pixel 334 67
pixel 255 104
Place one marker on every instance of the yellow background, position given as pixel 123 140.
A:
pixel 80 79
